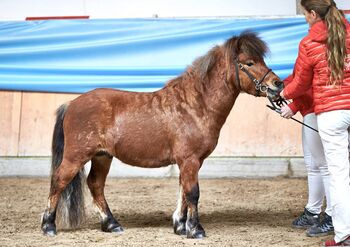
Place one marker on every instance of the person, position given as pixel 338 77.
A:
pixel 323 63
pixel 316 167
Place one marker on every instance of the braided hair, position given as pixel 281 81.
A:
pixel 336 29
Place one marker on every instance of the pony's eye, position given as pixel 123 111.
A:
pixel 249 64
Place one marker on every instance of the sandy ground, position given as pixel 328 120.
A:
pixel 234 212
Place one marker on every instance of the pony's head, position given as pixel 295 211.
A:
pixel 248 72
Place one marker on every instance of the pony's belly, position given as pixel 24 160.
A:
pixel 143 162
pixel 141 141
pixel 143 154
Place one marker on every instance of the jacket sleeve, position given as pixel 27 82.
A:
pixel 288 80
pixel 293 106
pixel 302 75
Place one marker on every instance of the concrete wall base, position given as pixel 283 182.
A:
pixel 213 167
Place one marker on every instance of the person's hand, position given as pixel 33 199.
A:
pixel 282 94
pixel 286 112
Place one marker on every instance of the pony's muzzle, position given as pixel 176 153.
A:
pixel 274 91
pixel 278 84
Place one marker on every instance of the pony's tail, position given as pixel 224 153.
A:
pixel 70 209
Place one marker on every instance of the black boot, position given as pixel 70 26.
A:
pixel 306 219
pixel 325 228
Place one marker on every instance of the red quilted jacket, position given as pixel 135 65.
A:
pixel 303 103
pixel 311 70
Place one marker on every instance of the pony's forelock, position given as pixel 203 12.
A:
pixel 247 42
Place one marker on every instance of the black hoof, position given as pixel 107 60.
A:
pixel 180 228
pixel 197 232
pixel 112 227
pixel 49 230
pixel 48 225
pixel 117 229
pixel 50 233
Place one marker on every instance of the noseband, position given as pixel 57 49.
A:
pixel 259 86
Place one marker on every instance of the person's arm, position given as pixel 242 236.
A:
pixel 303 104
pixel 288 79
pixel 287 111
pixel 302 76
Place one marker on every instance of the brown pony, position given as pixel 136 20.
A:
pixel 179 124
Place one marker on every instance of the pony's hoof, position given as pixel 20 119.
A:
pixel 118 229
pixel 180 228
pixel 50 233
pixel 112 227
pixel 49 230
pixel 196 232
pixel 196 235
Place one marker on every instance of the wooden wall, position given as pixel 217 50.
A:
pixel 27 120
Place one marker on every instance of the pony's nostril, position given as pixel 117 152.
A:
pixel 278 83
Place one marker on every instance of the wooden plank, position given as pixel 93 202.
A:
pixel 10 107
pixel 254 130
pixel 250 130
pixel 38 117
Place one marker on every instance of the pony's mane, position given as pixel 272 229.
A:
pixel 204 64
pixel 247 42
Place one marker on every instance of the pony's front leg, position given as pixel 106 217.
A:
pixel 189 182
pixel 100 166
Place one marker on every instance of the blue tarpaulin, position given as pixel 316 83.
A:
pixel 129 54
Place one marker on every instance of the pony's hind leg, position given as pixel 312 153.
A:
pixel 189 169
pixel 66 188
pixel 180 214
pixel 100 165
pixel 67 176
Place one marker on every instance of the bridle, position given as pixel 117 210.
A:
pixel 259 86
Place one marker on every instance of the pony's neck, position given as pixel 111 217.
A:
pixel 213 95
pixel 219 94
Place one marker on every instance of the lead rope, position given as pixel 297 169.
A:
pixel 258 86
pixel 280 103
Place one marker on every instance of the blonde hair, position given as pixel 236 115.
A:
pixel 336 29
